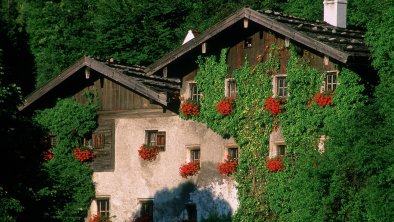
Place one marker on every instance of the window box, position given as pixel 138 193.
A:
pixel 274 106
pixel 227 167
pixel 189 169
pixel 148 153
pixel 275 164
pixel 225 106
pixel 83 154
pixel 190 108
pixel 323 99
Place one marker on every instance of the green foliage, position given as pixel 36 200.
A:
pixel 340 184
pixel 69 187
pixel 10 207
pixel 69 120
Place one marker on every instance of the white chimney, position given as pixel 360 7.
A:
pixel 335 12
pixel 189 36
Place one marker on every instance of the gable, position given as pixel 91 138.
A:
pixel 343 45
pixel 119 87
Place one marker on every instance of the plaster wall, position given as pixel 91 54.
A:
pixel 135 178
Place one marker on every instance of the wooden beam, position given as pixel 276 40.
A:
pixel 204 48
pixel 246 23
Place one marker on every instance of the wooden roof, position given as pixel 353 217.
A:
pixel 132 77
pixel 343 45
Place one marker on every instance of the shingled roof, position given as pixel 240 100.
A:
pixel 132 77
pixel 344 45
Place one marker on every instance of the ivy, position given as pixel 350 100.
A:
pixel 69 186
pixel 314 186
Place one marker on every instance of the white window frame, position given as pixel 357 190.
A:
pixel 107 212
pixel 275 85
pixel 190 94
pixel 190 149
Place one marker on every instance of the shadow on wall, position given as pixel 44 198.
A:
pixel 188 202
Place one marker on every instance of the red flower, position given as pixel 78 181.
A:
pixel 225 106
pixel 98 218
pixel 190 107
pixel 84 154
pixel 323 99
pixel 273 105
pixel 275 164
pixel 189 169
pixel 148 152
pixel 227 167
pixel 48 155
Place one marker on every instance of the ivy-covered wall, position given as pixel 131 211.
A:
pixel 313 184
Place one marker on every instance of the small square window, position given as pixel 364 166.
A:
pixel 231 88
pixel 233 153
pixel 194 93
pixel 103 207
pixel 331 82
pixel 146 210
pixel 156 138
pixel 280 86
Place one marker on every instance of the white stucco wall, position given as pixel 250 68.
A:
pixel 135 178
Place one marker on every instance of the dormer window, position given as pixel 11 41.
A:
pixel 230 88
pixel 331 81
pixel 280 86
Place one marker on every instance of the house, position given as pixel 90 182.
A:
pixel 139 105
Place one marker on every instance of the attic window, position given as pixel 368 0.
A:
pixel 248 43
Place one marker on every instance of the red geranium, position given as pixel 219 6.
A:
pixel 98 218
pixel 48 155
pixel 227 167
pixel 273 105
pixel 323 99
pixel 148 152
pixel 190 107
pixel 189 169
pixel 275 164
pixel 84 154
pixel 225 106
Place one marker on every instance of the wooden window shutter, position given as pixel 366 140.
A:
pixel 161 140
pixel 98 140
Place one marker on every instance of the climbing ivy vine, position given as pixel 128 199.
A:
pixel 314 186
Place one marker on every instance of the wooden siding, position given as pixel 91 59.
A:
pixel 113 96
pixel 104 159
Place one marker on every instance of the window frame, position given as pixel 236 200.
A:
pixel 146 207
pixel 228 152
pixel 107 209
pixel 156 142
pixel 333 84
pixel 228 90
pixel 195 96
pixel 276 88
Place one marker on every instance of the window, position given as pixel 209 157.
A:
pixel 156 138
pixel 103 207
pixel 248 43
pixel 233 153
pixel 230 88
pixel 146 211
pixel 195 94
pixel 280 86
pixel 330 82
pixel 96 141
pixel 195 154
pixel 281 150
pixel 191 212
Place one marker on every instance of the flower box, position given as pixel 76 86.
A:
pixel 190 108
pixel 225 106
pixel 148 153
pixel 227 167
pixel 98 218
pixel 275 164
pixel 323 99
pixel 189 169
pixel 83 154
pixel 274 106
